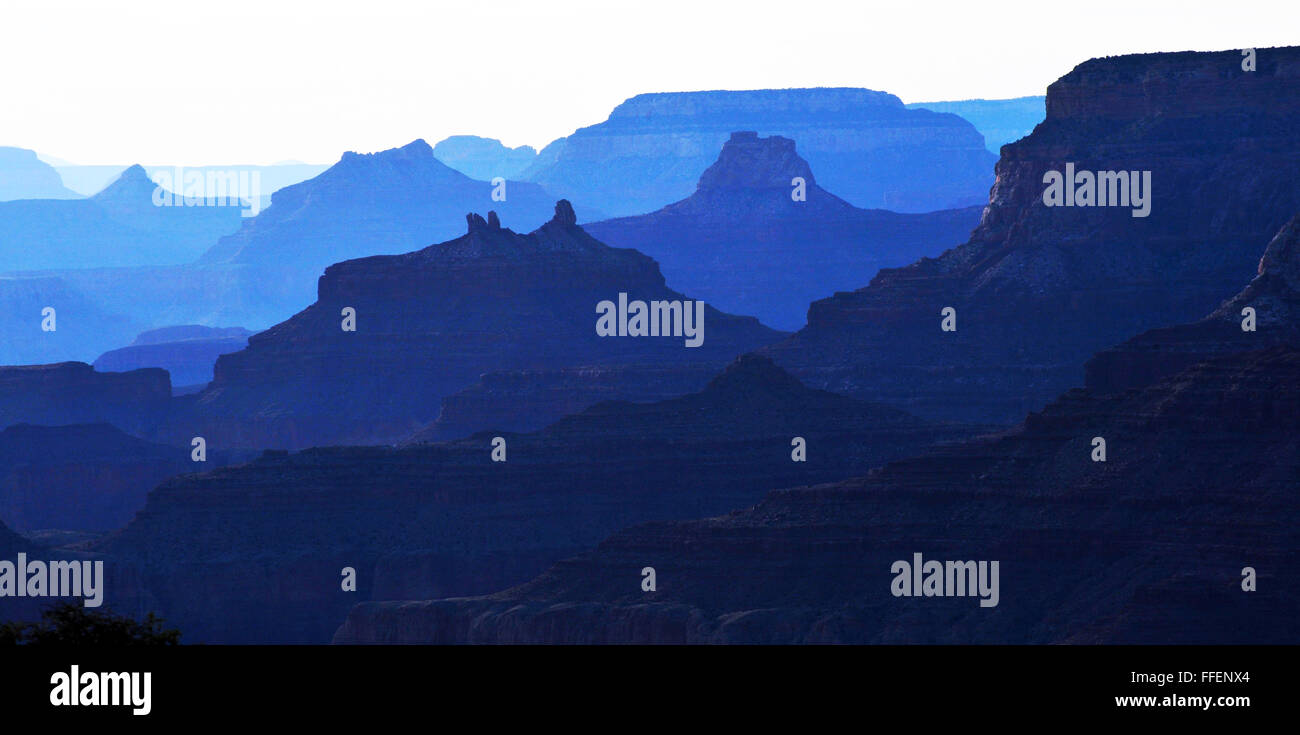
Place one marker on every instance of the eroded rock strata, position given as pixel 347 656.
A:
pixel 1038 290
pixel 752 241
pixel 1146 547
pixel 429 323
pixel 255 553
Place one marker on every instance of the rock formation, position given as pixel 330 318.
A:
pixel 118 227
pixel 25 176
pixel 999 121
pixel 259 274
pixel 747 241
pixel 382 203
pixel 430 322
pixel 1037 290
pixel 1149 546
pixel 255 553
pixel 186 352
pixel 74 393
pixel 484 158
pixel 864 145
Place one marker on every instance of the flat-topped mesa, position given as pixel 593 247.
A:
pixel 428 323
pixel 186 352
pixel 775 243
pixel 1265 313
pixel 776 240
pixel 1039 289
pixel 1197 83
pixel 785 104
pixel 755 184
pixel 74 393
pixel 750 162
pixel 653 148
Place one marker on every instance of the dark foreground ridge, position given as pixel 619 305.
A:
pixel 1148 546
pixel 445 519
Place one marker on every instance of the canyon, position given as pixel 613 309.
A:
pixel 760 236
pixel 253 553
pixel 1038 290
pixel 865 145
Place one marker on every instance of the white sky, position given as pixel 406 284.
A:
pixel 260 81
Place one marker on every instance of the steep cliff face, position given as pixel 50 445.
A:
pixel 25 176
pixel 1148 546
pixel 865 145
pixel 73 393
pixel 748 241
pixel 445 519
pixel 87 477
pixel 1273 297
pixel 1038 289
pixel 429 323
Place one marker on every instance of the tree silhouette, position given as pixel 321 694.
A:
pixel 72 624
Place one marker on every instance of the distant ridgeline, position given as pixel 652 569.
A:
pixel 864 145
pixel 255 272
pixel 187 353
pixel 999 121
pixel 1157 505
pixel 118 227
pixel 551 441
pixel 487 512
pixel 117 264
pixel 389 336
pixel 760 236
pixel 25 176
